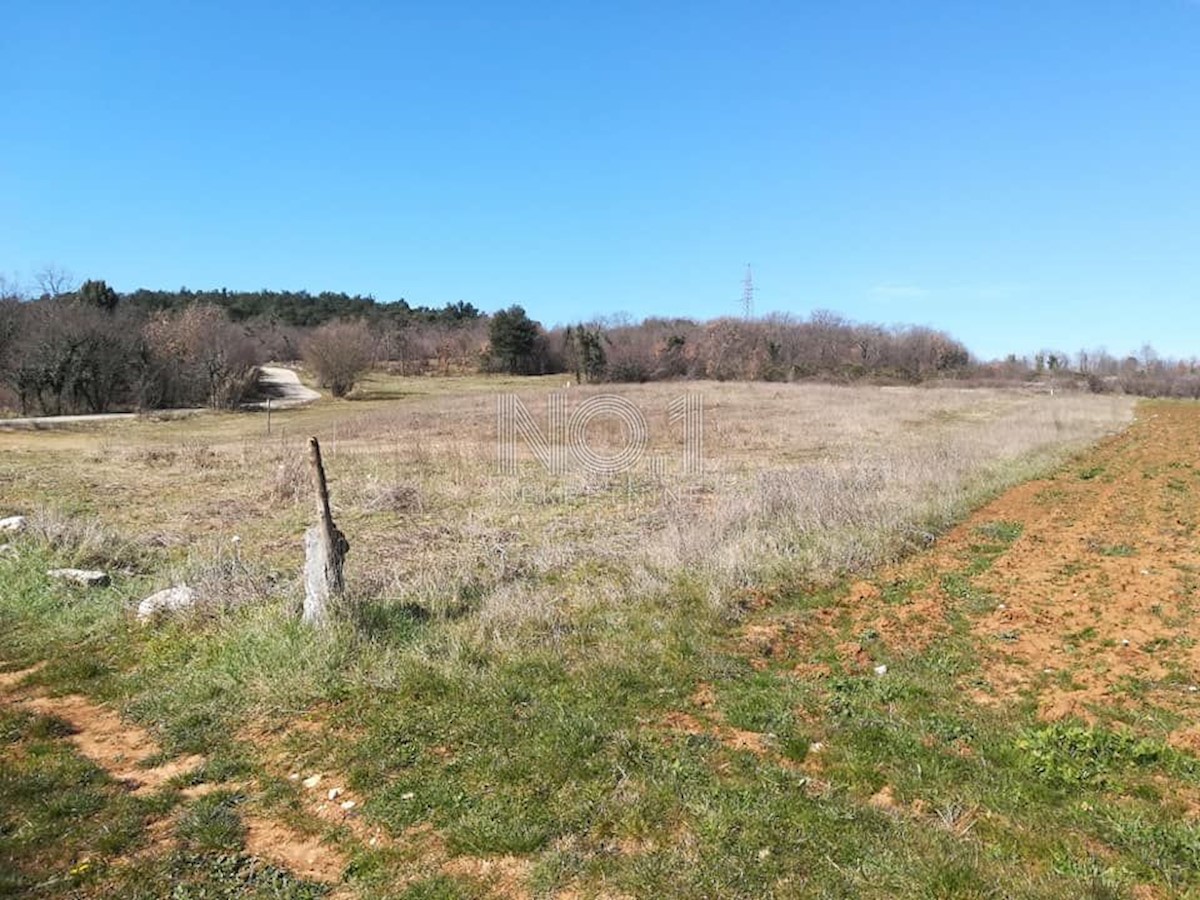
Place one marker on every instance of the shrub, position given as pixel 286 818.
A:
pixel 340 354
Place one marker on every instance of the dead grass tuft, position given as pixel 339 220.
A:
pixel 396 498
pixel 81 540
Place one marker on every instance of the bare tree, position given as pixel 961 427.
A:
pixel 197 356
pixel 54 281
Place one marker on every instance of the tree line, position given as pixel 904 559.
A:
pixel 71 348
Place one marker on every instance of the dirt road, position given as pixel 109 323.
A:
pixel 284 387
pixel 280 383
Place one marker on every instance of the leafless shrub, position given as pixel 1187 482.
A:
pixel 340 353
pixel 198 454
pixel 224 581
pixel 197 357
pixel 153 456
pixel 292 480
pixel 84 541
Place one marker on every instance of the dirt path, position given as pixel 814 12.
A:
pixel 128 754
pixel 285 388
pixel 125 752
pixel 37 423
pixel 281 383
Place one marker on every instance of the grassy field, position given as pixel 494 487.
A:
pixel 648 684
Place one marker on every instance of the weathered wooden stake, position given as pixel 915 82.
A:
pixel 268 417
pixel 325 550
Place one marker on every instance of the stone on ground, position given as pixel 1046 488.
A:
pixel 85 577
pixel 171 600
pixel 13 525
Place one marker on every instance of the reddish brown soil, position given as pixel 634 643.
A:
pixel 304 855
pixel 117 746
pixel 1093 603
pixel 1095 600
pixel 1100 587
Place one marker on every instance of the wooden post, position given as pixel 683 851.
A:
pixel 325 550
pixel 268 417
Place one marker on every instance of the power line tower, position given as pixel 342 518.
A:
pixel 748 294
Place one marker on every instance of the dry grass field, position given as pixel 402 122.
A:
pixel 752 680
pixel 816 481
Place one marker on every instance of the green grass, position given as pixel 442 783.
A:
pixel 563 755
pixel 550 737
pixel 65 827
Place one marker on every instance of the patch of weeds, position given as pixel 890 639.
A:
pixel 224 765
pixel 1002 532
pixel 949 728
pixel 212 825
pixel 1170 849
pixel 1067 755
pixel 1102 881
pixel 1050 496
pixel 390 623
pixel 1091 472
pixel 1116 550
pixel 897 593
pixel 958 586
pixel 1071 569
pixel 212 876
pixel 1132 686
pixel 14 724
pixel 60 815
pixel 766 703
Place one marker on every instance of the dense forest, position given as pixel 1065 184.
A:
pixel 70 348
pixel 300 308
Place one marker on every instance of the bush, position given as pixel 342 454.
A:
pixel 340 354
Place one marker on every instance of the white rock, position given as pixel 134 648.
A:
pixel 85 577
pixel 13 525
pixel 1125 643
pixel 348 805
pixel 312 781
pixel 171 600
pixel 334 793
pixel 407 796
pixel 8 551
pixel 816 747
pixel 295 776
pixel 881 670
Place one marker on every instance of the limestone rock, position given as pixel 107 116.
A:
pixel 13 525
pixel 84 577
pixel 171 600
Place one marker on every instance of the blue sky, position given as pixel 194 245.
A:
pixel 1022 173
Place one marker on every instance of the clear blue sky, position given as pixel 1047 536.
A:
pixel 1023 173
